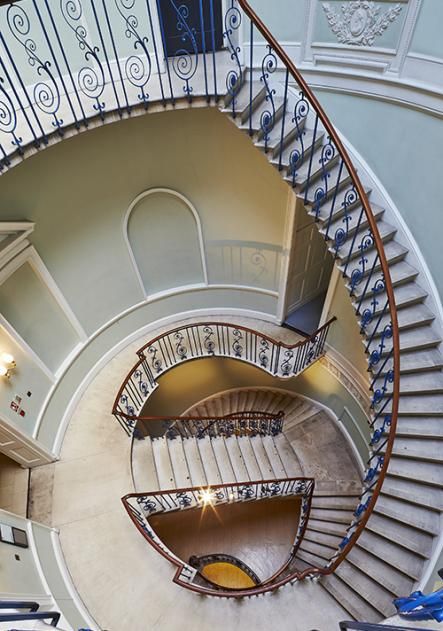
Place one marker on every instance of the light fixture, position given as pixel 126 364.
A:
pixel 8 360
pixel 207 497
pixel 4 372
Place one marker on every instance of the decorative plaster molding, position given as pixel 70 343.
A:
pixel 360 21
pixel 351 381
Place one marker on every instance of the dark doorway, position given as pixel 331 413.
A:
pixel 181 22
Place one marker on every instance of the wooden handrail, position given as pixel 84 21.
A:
pixel 287 62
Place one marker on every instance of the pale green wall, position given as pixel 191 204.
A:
pixel 427 39
pixel 403 150
pixel 284 18
pixel 18 577
pixel 27 303
pixel 27 376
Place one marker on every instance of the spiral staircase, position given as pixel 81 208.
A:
pixel 367 541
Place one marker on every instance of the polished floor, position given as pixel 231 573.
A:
pixel 124 583
pixel 259 533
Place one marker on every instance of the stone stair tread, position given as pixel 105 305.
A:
pixel 288 457
pixel 331 528
pixel 237 461
pixel 398 557
pixel 266 470
pixel 417 516
pixel 423 337
pixel 404 535
pixel 358 608
pixel 242 100
pixel 143 466
pixel 404 295
pixel 195 464
pixel 386 231
pixel 249 459
pixel 275 140
pixel 420 383
pixel 323 538
pixel 424 472
pixel 318 549
pixel 414 492
pixel 302 143
pixel 426 449
pixel 338 211
pixel 400 272
pixel 417 361
pixel 163 464
pixel 353 217
pixel 414 316
pixel 426 404
pixel 274 457
pixel 179 465
pixel 342 488
pixel 381 571
pixel 257 115
pixel 367 588
pixel 223 461
pixel 212 472
pixel 347 503
pixel 420 426
pixel 332 515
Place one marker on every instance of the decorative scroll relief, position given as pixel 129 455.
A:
pixel 360 21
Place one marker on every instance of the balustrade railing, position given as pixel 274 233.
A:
pixel 141 506
pixel 245 423
pixel 368 626
pixel 209 340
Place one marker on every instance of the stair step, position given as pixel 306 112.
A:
pixel 300 149
pixel 323 538
pixel 163 464
pixel 243 103
pixel 237 461
pixel 416 362
pixel 420 517
pixel 347 225
pixel 425 449
pixel 425 405
pixel 316 171
pixel 143 466
pixel 404 295
pixel 179 465
pixel 212 472
pixel 387 233
pixel 347 503
pixel 366 587
pixel 424 337
pixel 414 316
pixel 321 193
pixel 400 273
pixel 424 472
pixel 290 132
pixel 404 535
pixel 403 560
pixel 195 465
pixel 256 120
pixel 414 492
pixel 251 464
pixel 266 470
pixel 288 457
pixel 328 527
pixel 318 549
pixel 274 457
pixel 381 572
pixel 420 426
pixel 339 206
pixel 332 515
pixel 358 608
pixel 326 488
pixel 415 384
pixel 223 461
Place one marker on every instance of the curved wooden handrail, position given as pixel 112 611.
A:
pixel 289 65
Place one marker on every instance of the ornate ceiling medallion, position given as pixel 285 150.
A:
pixel 360 22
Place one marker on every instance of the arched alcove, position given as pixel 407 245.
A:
pixel 164 238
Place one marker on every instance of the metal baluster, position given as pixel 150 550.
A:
pixel 214 64
pixel 282 135
pixel 154 41
pixel 251 74
pixel 334 199
pixel 310 160
pixel 203 41
pixel 165 51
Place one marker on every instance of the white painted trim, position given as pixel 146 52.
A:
pixel 38 565
pixel 333 282
pixel 46 457
pixel 287 253
pixel 188 204
pixel 344 367
pixel 146 329
pixel 17 339
pixel 69 584
pixel 24 228
pixel 361 463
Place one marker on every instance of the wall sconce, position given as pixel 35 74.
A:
pixel 7 364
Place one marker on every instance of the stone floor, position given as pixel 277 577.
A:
pixel 13 487
pixel 123 582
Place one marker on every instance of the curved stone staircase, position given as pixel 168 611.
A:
pixel 390 556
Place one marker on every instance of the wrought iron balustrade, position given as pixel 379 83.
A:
pixel 368 626
pixel 141 506
pixel 210 340
pixel 246 423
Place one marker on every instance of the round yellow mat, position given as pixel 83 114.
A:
pixel 227 575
